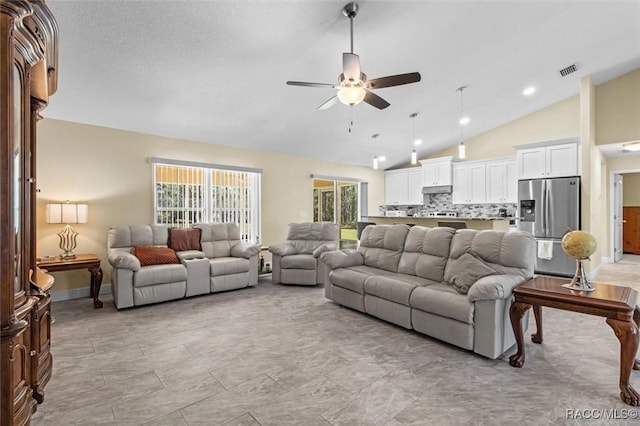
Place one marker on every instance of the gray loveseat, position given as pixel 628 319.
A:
pixel 453 285
pixel 296 260
pixel 223 263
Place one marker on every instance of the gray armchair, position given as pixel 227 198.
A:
pixel 296 260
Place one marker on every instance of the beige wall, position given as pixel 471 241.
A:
pixel 558 121
pixel 631 188
pixel 109 170
pixel 618 109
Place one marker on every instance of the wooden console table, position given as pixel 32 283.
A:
pixel 616 304
pixel 90 262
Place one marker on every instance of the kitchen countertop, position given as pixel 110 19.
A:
pixel 441 217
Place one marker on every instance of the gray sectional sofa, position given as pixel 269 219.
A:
pixel 222 263
pixel 453 285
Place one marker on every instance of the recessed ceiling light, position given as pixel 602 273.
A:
pixel 529 91
pixel 417 142
pixel 464 121
pixel 382 158
pixel 631 147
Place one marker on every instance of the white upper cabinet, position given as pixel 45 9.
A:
pixel 414 177
pixel 396 187
pixel 548 161
pixel 502 181
pixel 469 186
pixel 437 171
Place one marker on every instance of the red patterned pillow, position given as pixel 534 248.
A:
pixel 155 255
pixel 185 239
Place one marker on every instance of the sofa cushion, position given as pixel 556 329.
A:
pixel 299 261
pixel 426 251
pixel 149 255
pixel 159 274
pixel 381 246
pixel 228 265
pixel 218 238
pixel 509 253
pixel 464 271
pixel 353 278
pixel 185 239
pixel 442 300
pixel 392 287
pixel 138 235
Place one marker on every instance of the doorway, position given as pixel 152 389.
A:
pixel 625 215
pixel 337 202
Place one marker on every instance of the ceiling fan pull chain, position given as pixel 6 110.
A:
pixel 350 119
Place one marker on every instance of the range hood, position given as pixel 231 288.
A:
pixel 443 189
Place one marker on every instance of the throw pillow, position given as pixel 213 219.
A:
pixel 468 270
pixel 149 255
pixel 185 239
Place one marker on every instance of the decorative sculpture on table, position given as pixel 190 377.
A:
pixel 579 245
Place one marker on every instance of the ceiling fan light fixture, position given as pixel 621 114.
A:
pixel 351 95
pixel 631 146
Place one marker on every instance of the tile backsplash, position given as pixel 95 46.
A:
pixel 442 202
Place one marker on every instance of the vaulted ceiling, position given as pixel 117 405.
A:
pixel 215 71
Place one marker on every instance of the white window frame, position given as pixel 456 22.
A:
pixel 231 209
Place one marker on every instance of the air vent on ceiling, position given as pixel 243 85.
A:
pixel 568 70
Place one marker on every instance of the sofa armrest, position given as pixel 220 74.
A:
pixel 124 260
pixel 245 250
pixel 324 248
pixel 342 258
pixel 282 249
pixel 494 287
pixel 190 254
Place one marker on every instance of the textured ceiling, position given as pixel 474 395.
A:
pixel 215 71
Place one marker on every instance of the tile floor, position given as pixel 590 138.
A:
pixel 284 355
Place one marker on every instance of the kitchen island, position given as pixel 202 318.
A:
pixel 496 223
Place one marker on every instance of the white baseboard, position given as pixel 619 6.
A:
pixel 77 293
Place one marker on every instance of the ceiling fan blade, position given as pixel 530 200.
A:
pixel 328 104
pixel 393 80
pixel 351 66
pixel 375 100
pixel 306 84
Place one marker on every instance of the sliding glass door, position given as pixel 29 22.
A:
pixel 337 201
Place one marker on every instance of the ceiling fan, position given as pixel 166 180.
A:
pixel 353 86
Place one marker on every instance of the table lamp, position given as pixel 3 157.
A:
pixel 68 213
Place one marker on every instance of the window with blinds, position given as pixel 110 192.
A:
pixel 189 194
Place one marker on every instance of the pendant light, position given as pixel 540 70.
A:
pixel 463 120
pixel 414 154
pixel 375 157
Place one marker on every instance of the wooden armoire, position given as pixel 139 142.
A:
pixel 28 65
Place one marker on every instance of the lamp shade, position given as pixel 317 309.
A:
pixel 351 95
pixel 67 213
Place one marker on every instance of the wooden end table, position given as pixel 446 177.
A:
pixel 617 304
pixel 90 262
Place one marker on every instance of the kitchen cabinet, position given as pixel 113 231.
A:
pixel 469 183
pixel 414 176
pixel 437 171
pixel 403 186
pixel 502 181
pixel 396 187
pixel 549 161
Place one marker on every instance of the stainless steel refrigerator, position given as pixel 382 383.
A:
pixel 548 208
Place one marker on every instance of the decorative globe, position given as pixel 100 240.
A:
pixel 579 244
